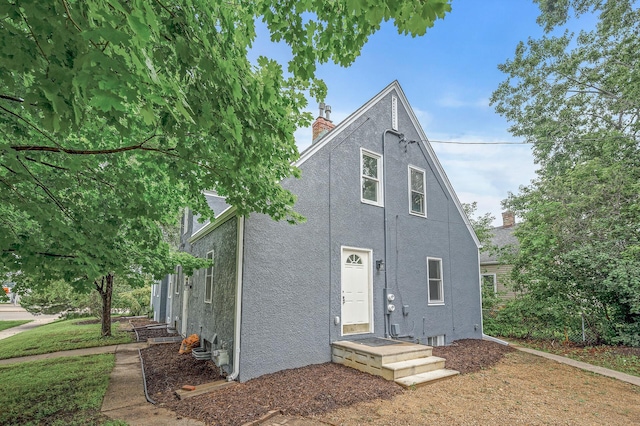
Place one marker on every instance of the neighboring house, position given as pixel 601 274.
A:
pixel 493 272
pixel 386 251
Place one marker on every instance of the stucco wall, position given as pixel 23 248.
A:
pixel 217 317
pixel 291 285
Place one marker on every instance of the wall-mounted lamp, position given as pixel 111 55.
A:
pixel 380 265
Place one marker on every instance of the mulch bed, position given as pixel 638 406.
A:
pixel 144 329
pixel 471 355
pixel 306 391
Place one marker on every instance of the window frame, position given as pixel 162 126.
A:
pixel 495 281
pixel 208 278
pixel 177 283
pixel 424 191
pixel 170 286
pixel 378 179
pixel 441 282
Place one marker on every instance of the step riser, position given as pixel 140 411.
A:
pixel 410 371
pixel 420 383
pixel 388 359
pixel 376 362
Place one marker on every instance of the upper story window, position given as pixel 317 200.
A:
pixel 371 171
pixel 417 196
pixel 434 274
pixel 208 280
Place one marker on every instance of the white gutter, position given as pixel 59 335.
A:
pixel 238 321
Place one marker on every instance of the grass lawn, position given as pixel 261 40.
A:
pixel 60 391
pixel 60 336
pixel 13 323
pixel 619 358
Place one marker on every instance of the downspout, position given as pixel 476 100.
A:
pixel 238 321
pixel 384 199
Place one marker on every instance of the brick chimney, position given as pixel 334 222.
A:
pixel 323 124
pixel 508 219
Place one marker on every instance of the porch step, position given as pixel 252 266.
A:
pixel 396 370
pixel 422 379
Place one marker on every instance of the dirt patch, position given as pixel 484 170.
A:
pixel 309 391
pixel 520 389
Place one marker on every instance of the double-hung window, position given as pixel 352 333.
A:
pixel 435 287
pixel 417 205
pixel 208 280
pixel 489 283
pixel 371 172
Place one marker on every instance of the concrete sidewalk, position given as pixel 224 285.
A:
pixel 634 380
pixel 12 312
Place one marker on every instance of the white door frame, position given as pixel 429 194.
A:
pixel 169 300
pixel 185 305
pixel 369 269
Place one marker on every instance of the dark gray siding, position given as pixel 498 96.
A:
pixel 291 278
pixel 217 317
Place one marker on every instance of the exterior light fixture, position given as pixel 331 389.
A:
pixel 380 265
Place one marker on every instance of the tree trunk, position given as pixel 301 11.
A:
pixel 105 288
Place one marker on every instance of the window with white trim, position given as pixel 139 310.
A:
pixel 371 180
pixel 178 270
pixel 435 340
pixel 489 282
pixel 208 280
pixel 417 197
pixel 435 287
pixel 170 286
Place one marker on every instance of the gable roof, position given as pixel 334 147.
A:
pixel 502 237
pixel 395 85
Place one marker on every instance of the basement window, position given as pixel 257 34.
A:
pixel 435 340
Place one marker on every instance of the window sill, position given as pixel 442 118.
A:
pixel 435 304
pixel 371 203
pixel 424 216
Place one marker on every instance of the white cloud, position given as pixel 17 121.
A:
pixel 452 101
pixel 485 173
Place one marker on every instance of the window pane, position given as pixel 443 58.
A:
pixel 434 268
pixel 369 166
pixel 369 189
pixel 417 181
pixel 434 291
pixel 417 202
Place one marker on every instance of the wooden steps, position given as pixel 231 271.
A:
pixel 408 364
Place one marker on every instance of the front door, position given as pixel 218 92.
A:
pixel 356 291
pixel 185 305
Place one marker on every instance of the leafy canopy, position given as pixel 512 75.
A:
pixel 576 99
pixel 114 115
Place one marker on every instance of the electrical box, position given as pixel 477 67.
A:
pixel 395 329
pixel 405 310
pixel 220 357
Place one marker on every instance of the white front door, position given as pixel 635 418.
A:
pixel 356 291
pixel 185 305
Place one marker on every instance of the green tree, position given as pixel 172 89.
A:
pixel 114 115
pixel 576 99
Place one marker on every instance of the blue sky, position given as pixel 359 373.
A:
pixel 448 76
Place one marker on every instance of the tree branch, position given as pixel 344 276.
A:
pixel 11 98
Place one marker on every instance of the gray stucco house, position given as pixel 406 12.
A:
pixel 386 251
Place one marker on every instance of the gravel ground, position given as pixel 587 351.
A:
pixel 499 386
pixel 333 386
